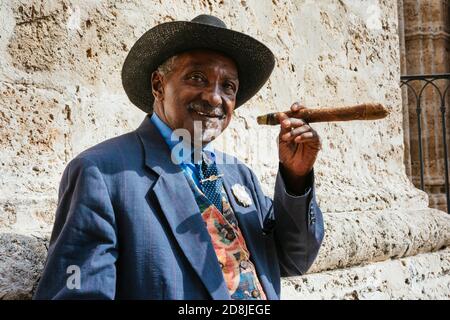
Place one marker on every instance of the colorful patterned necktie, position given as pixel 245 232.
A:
pixel 210 181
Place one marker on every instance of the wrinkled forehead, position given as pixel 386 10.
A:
pixel 204 59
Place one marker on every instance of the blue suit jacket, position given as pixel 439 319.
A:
pixel 128 220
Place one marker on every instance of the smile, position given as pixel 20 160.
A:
pixel 203 114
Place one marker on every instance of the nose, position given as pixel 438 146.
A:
pixel 212 96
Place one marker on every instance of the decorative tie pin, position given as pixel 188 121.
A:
pixel 212 178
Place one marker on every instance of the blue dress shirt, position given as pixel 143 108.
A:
pixel 183 160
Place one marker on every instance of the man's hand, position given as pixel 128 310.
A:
pixel 299 145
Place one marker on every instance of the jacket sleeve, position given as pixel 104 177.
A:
pixel 296 223
pixel 83 246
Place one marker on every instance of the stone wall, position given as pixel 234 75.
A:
pixel 60 92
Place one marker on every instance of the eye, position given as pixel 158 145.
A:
pixel 197 77
pixel 230 86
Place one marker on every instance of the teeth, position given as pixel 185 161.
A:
pixel 205 114
pixel 209 115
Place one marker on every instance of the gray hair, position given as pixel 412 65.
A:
pixel 167 66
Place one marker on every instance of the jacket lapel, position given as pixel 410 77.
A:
pixel 181 211
pixel 251 227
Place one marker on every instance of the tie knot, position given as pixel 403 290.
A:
pixel 207 158
pixel 198 156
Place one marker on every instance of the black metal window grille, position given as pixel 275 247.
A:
pixel 416 86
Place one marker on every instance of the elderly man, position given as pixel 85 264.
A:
pixel 141 218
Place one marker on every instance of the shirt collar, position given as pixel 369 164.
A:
pixel 172 139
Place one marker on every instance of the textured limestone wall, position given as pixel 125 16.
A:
pixel 425 277
pixel 60 92
pixel 355 238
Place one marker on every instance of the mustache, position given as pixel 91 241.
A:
pixel 206 108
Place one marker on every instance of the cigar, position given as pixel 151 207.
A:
pixel 365 111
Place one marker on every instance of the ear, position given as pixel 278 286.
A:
pixel 157 81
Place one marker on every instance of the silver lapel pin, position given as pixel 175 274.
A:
pixel 241 195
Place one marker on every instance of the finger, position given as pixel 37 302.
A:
pixel 296 132
pixel 296 106
pixel 285 123
pixel 309 136
pixel 312 142
pixel 297 122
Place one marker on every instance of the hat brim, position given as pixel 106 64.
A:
pixel 254 60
